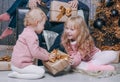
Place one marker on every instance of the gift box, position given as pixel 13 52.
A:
pixel 58 63
pixel 5 63
pixel 5 57
pixel 61 11
pixel 5 66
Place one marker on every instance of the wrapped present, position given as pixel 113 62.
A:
pixel 5 57
pixel 5 63
pixel 58 63
pixel 61 11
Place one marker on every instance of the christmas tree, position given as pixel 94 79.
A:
pixel 106 25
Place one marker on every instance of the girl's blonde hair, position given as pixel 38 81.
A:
pixel 84 40
pixel 34 15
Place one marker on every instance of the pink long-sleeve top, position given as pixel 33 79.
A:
pixel 77 58
pixel 27 48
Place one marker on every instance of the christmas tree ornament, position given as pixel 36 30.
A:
pixel 109 3
pixel 114 12
pixel 99 23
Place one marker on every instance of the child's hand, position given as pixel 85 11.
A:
pixel 38 1
pixel 32 4
pixel 73 3
pixel 52 57
pixel 71 60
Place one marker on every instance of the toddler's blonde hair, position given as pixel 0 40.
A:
pixel 34 15
pixel 85 43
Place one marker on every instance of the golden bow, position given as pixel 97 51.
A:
pixel 58 56
pixel 64 11
pixel 5 58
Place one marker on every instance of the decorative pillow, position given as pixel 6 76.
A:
pixel 80 13
pixel 50 37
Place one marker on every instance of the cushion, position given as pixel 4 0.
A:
pixel 20 19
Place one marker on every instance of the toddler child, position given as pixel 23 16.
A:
pixel 27 48
pixel 79 44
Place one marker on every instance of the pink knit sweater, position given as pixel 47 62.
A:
pixel 77 55
pixel 27 48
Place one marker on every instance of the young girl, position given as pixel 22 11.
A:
pixel 27 48
pixel 79 44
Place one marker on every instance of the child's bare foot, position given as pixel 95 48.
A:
pixel 6 33
pixel 4 17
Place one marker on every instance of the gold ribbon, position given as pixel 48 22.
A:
pixel 64 11
pixel 58 56
pixel 5 58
